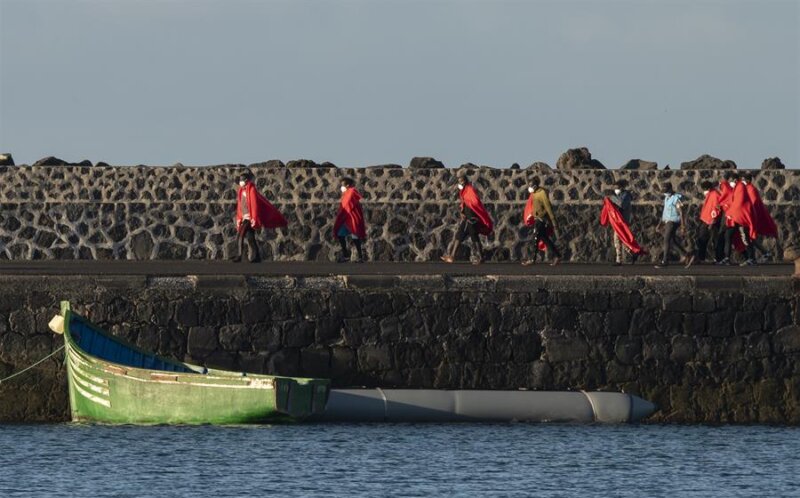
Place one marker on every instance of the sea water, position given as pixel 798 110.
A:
pixel 399 460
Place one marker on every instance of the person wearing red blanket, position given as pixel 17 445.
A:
pixel 738 221
pixel 623 200
pixel 539 215
pixel 612 215
pixel 763 224
pixel 253 212
pixel 475 220
pixel 710 222
pixel 349 223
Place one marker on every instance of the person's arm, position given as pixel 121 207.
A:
pixel 679 207
pixel 549 208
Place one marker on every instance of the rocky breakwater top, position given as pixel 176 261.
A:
pixel 704 348
pixel 59 210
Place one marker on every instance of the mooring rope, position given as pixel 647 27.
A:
pixel 15 374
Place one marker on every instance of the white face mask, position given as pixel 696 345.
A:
pixel 531 189
pixel 460 187
pixel 667 194
pixel 343 189
pixel 744 182
pixel 242 183
pixel 617 191
pixel 705 193
pixel 732 184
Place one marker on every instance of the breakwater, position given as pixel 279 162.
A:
pixel 705 349
pixel 140 212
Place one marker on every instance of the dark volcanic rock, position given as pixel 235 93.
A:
pixel 515 166
pixel 640 164
pixel 425 162
pixel 540 166
pixel 579 158
pixel 272 163
pixel 50 161
pixel 6 160
pixel 85 162
pixel 142 245
pixel 307 163
pixel 384 166
pixel 708 162
pixel 769 163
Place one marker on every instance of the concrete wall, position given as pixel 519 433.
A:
pixel 68 212
pixel 705 349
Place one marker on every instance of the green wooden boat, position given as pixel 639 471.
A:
pixel 112 381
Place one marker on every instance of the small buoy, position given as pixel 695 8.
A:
pixel 57 324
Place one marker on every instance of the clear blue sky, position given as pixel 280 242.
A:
pixel 368 82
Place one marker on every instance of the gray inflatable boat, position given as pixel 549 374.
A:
pixel 432 405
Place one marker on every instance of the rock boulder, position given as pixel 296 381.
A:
pixel 640 164
pixel 708 162
pixel 6 160
pixel 769 163
pixel 425 162
pixel 579 158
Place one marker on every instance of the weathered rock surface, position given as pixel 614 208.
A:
pixel 704 350
pixel 50 161
pixel 579 158
pixel 425 162
pixel 6 160
pixel 640 164
pixel 708 162
pixel 82 212
pixel 773 163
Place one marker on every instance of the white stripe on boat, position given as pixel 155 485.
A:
pixel 92 397
pixel 88 385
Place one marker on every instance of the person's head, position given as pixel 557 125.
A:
pixel 731 178
pixel 620 185
pixel 346 183
pixel 706 186
pixel 534 183
pixel 667 189
pixel 462 180
pixel 245 177
pixel 747 177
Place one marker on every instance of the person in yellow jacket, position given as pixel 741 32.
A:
pixel 539 215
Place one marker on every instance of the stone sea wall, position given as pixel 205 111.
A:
pixel 140 212
pixel 705 349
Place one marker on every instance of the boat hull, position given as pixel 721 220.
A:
pixel 107 392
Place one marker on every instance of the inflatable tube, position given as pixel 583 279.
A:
pixel 430 405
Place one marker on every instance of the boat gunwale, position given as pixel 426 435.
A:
pixel 145 374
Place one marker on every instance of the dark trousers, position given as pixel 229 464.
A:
pixel 730 232
pixel 356 242
pixel 467 228
pixel 705 234
pixel 671 241
pixel 247 234
pixel 540 227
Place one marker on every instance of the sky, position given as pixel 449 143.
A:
pixel 372 82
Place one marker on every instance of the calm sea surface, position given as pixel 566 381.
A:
pixel 399 460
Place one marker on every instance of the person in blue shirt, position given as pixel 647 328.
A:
pixel 673 218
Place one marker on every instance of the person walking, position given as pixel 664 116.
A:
pixel 623 200
pixel 539 215
pixel 673 219
pixel 253 212
pixel 763 223
pixel 349 223
pixel 710 221
pixel 475 220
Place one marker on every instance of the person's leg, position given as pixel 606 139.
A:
pixel 703 236
pixel 618 249
pixel 359 252
pixel 729 233
pixel 750 250
pixel 252 248
pixel 458 238
pixel 476 241
pixel 538 229
pixel 344 256
pixel 678 243
pixel 552 250
pixel 240 243
pixel 668 235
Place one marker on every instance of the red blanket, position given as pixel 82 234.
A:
pixel 611 215
pixel 739 211
pixel 709 213
pixel 262 213
pixel 470 199
pixel 528 217
pixel 763 224
pixel 350 215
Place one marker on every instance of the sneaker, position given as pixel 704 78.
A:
pixel 342 259
pixel 748 262
pixel 447 259
pixel 555 262
pixel 616 263
pixel 724 262
pixel 634 258
pixel 477 261
pixel 766 257
pixel 528 262
pixel 661 265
